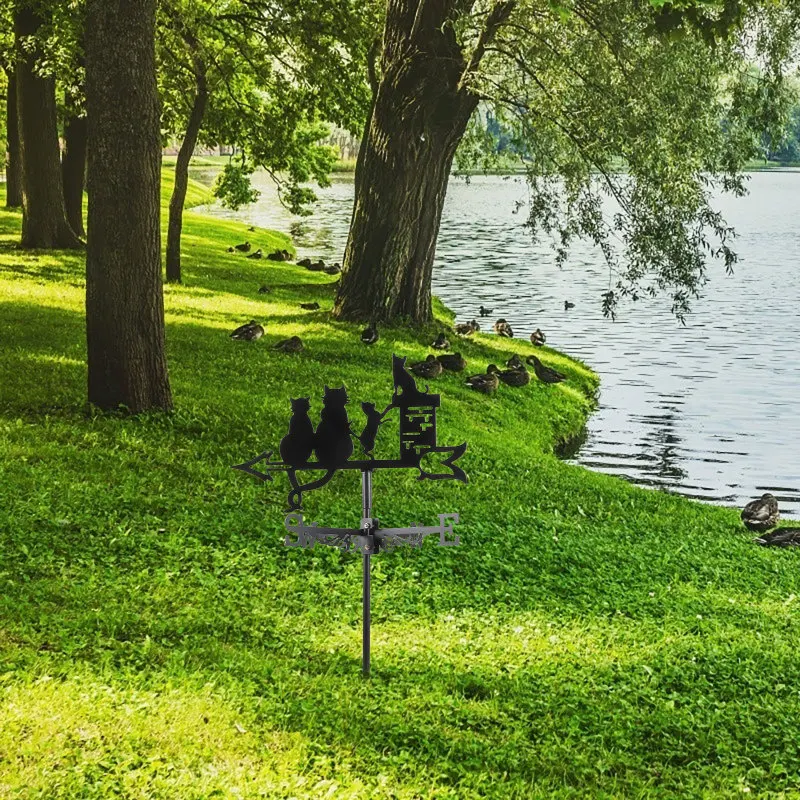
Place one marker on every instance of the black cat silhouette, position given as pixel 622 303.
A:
pixel 296 447
pixel 332 441
pixel 405 387
pixel 374 421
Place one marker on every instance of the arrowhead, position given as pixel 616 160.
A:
pixel 248 466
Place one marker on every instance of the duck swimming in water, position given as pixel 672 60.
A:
pixel 485 312
pixel 762 514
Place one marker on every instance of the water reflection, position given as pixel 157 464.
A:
pixel 706 410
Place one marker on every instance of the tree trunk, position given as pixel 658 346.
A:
pixel 421 107
pixel 73 168
pixel 44 217
pixel 124 296
pixel 13 162
pixel 182 173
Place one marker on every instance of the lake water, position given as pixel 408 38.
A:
pixel 708 410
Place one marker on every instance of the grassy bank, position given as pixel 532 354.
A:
pixel 588 639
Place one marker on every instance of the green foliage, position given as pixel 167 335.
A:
pixel 589 639
pixel 233 188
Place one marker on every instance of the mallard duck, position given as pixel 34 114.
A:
pixel 317 266
pixel 257 254
pixel 762 514
pixel 568 305
pixel 249 332
pixel 276 255
pixel 538 338
pixel 441 343
pixel 309 306
pixel 485 312
pixel 467 328
pixel 243 248
pixel 264 289
pixel 543 373
pixel 453 362
pixel 502 328
pixel 429 368
pixel 780 537
pixel 252 229
pixel 304 262
pixel 517 376
pixel 293 345
pixel 370 335
pixel 515 362
pixel 486 383
pixel 333 269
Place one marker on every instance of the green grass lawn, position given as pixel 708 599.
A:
pixel 588 639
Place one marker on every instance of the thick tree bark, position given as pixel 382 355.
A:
pixel 124 296
pixel 13 162
pixel 44 217
pixel 178 198
pixel 73 168
pixel 421 109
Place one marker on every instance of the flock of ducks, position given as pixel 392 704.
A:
pixel 761 516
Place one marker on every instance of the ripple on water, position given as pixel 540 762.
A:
pixel 707 410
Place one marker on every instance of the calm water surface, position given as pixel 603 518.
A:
pixel 708 410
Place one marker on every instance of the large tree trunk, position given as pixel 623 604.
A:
pixel 44 217
pixel 178 198
pixel 73 167
pixel 124 296
pixel 13 162
pixel 421 108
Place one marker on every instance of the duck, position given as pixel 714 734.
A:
pixel 538 338
pixel 257 254
pixel 276 255
pixel 264 289
pixel 304 262
pixel 467 328
pixel 370 334
pixel 502 328
pixel 780 537
pixel 762 514
pixel 287 256
pixel 231 249
pixel 517 376
pixel 453 362
pixel 515 362
pixel 568 305
pixel 485 383
pixel 485 312
pixel 318 266
pixel 543 373
pixel 309 306
pixel 293 345
pixel 441 343
pixel 249 332
pixel 333 269
pixel 243 248
pixel 252 229
pixel 431 367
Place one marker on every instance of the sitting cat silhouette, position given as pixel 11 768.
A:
pixel 332 441
pixel 296 447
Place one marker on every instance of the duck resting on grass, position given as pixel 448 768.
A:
pixel 485 383
pixel 516 376
pixel 515 362
pixel 452 362
pixel 309 306
pixel 293 345
pixel 467 328
pixel 333 269
pixel 441 343
pixel 370 335
pixel 762 514
pixel 780 537
pixel 316 266
pixel 258 254
pixel 431 367
pixel 249 332
pixel 543 373
pixel 304 262
pixel 264 289
pixel 538 338
pixel 502 328
pixel 243 248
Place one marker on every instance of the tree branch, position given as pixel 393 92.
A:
pixel 497 16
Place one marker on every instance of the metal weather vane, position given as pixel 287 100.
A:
pixel 332 444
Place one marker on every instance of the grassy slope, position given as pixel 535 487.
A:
pixel 589 639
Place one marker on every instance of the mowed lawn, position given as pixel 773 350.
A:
pixel 588 639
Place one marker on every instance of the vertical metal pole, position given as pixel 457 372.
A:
pixel 366 513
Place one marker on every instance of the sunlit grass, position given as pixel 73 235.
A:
pixel 588 639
